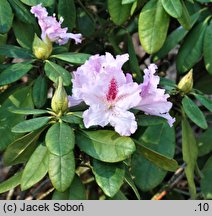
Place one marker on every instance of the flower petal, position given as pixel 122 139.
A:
pixel 95 115
pixel 123 122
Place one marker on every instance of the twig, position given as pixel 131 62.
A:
pixel 10 194
pixel 45 194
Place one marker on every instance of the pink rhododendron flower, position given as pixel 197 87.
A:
pixel 102 85
pixel 154 100
pixel 51 28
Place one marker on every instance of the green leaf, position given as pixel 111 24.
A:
pixel 15 52
pixel 25 40
pixel 204 142
pixel 54 71
pixel 190 152
pixel 64 9
pixel 105 145
pixel 10 183
pixel 119 13
pixel 21 149
pixel 44 3
pixel 127 1
pixel 204 1
pixel 22 12
pixel 205 183
pixel 75 192
pixel 207 47
pixel 204 100
pixel 109 177
pixel 74 58
pixel 26 111
pixel 36 168
pixel 40 91
pixel 14 73
pixel 73 118
pixel 147 174
pixel 153 26
pixel 60 139
pixel 191 50
pixel 152 134
pixel 185 19
pixel 20 97
pixel 61 170
pixel 30 125
pixel 134 66
pixel 159 160
pixel 130 182
pixel 6 16
pixel 148 120
pixel 173 7
pixel 173 39
pixel 194 113
pixel 85 19
pixel 119 196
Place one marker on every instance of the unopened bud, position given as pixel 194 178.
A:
pixel 42 49
pixel 186 83
pixel 59 102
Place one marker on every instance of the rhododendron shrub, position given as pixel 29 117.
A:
pixel 105 99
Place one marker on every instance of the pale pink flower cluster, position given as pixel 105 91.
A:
pixel 51 28
pixel 110 94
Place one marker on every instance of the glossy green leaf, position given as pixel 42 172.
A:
pixel 26 111
pixel 21 98
pixel 205 183
pixel 152 134
pixel 25 40
pixel 173 7
pixel 3 41
pixel 173 39
pixel 6 16
pixel 128 178
pixel 74 58
pixel 153 26
pixel 148 120
pixel 74 118
pixel 36 168
pixel 60 139
pixel 10 183
pixel 204 1
pixel 190 152
pixel 21 149
pixel 36 2
pixel 22 12
pixel 67 10
pixel 30 125
pixel 159 160
pixel 15 52
pixel 14 73
pixel 61 170
pixel 119 13
pixel 108 176
pixel 75 192
pixel 185 19
pixel 119 196
pixel 105 145
pixel 191 50
pixel 127 1
pixel 204 142
pixel 54 71
pixel 85 19
pixel 40 91
pixel 207 47
pixel 205 101
pixel 134 65
pixel 147 174
pixel 194 113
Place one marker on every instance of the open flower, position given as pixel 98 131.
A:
pixel 102 85
pixel 51 28
pixel 154 100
